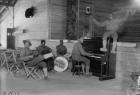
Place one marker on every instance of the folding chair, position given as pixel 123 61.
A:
pixel 15 67
pixel 14 56
pixel 4 62
pixel 31 71
pixel 77 68
pixel 8 61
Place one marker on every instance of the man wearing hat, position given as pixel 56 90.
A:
pixel 28 57
pixel 79 54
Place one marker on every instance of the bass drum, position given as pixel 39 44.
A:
pixel 60 64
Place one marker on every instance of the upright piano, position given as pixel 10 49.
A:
pixel 100 66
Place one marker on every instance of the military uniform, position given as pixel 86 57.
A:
pixel 61 50
pixel 27 56
pixel 42 49
pixel 78 53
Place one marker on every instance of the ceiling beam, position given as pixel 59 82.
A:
pixel 14 2
pixel 6 4
pixel 2 9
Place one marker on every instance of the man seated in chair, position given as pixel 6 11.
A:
pixel 61 49
pixel 79 54
pixel 28 57
pixel 44 49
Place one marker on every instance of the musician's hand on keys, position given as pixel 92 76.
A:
pixel 95 56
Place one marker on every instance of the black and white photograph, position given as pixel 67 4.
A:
pixel 69 47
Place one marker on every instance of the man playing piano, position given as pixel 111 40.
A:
pixel 79 54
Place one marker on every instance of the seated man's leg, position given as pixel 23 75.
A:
pixel 20 63
pixel 45 70
pixel 115 37
pixel 105 36
pixel 87 62
pixel 37 59
pixel 49 63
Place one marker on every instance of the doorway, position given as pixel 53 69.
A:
pixel 10 38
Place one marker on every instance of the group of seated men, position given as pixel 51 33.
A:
pixel 37 58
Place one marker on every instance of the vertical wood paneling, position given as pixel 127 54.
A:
pixel 131 29
pixel 58 19
pixel 101 10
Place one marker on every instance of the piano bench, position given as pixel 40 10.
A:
pixel 77 68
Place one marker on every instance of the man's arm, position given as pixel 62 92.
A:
pixel 57 47
pixel 65 50
pixel 49 49
pixel 24 57
pixel 82 51
pixel 98 23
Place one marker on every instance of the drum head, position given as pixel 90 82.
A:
pixel 60 64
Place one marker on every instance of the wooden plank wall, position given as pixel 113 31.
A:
pixel 129 32
pixel 101 9
pixel 58 19
pixel 78 20
pixel 84 19
pixel 131 29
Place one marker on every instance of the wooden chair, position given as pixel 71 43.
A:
pixel 16 65
pixel 7 61
pixel 3 61
pixel 31 71
pixel 77 67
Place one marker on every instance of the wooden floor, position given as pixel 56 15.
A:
pixel 63 84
